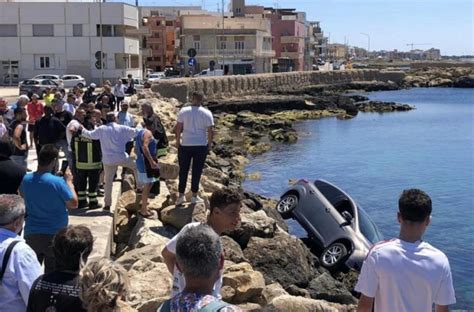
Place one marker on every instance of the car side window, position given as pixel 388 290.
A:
pixel 46 82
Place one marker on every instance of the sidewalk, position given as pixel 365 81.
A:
pixel 100 222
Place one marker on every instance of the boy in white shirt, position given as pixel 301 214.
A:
pixel 406 273
pixel 224 216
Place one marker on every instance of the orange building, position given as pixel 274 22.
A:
pixel 161 42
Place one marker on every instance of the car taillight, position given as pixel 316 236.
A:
pixel 303 181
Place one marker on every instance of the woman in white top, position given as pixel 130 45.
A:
pixel 194 134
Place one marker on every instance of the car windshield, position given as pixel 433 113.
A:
pixel 368 228
pixel 155 76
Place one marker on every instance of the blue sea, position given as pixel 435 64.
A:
pixel 375 156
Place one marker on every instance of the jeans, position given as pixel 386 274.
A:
pixel 42 246
pixel 109 172
pixel 186 154
pixel 20 160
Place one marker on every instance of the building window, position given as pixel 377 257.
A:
pixel 223 45
pixel 197 38
pixel 239 45
pixel 8 30
pixel 43 30
pixel 106 30
pixel 197 45
pixel 44 61
pixel 169 23
pixel 77 30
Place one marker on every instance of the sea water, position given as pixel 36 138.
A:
pixel 374 156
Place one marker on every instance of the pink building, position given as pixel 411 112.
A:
pixel 288 39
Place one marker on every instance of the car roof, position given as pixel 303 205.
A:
pixel 42 75
pixel 71 75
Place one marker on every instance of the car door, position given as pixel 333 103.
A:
pixel 315 212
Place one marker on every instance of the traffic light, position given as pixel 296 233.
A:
pixel 101 58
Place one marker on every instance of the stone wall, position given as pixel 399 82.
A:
pixel 235 86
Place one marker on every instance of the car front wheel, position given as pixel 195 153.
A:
pixel 286 205
pixel 80 85
pixel 333 256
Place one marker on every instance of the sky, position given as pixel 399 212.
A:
pixel 391 24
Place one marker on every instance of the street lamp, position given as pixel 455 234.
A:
pixel 368 41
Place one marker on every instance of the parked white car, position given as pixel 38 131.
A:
pixel 155 76
pixel 208 72
pixel 70 81
pixel 54 78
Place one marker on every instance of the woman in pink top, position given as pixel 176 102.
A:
pixel 35 112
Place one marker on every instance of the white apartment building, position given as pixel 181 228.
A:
pixel 68 38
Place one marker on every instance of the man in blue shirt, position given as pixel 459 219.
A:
pixel 47 198
pixel 22 267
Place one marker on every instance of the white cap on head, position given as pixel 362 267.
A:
pixel 24 97
pixel 93 85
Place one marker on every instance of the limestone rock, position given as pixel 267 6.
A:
pixel 153 285
pixel 179 216
pixel 464 82
pixel 232 250
pixel 216 175
pixel 287 303
pixel 127 201
pixel 209 185
pixel 270 292
pixel 168 171
pixel 282 258
pixel 250 307
pixel 150 252
pixel 128 182
pixel 150 232
pixel 254 224
pixel 246 282
pixel 299 292
pixel 327 288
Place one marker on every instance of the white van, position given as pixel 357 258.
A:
pixel 208 72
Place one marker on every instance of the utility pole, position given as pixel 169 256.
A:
pixel 368 43
pixel 101 45
pixel 223 54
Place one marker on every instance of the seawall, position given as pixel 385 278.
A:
pixel 235 86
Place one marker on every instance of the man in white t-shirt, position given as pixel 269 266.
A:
pixel 224 216
pixel 195 124
pixel 406 273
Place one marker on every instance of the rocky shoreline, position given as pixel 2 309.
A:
pixel 456 77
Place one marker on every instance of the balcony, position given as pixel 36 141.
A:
pixel 290 39
pixel 154 40
pixel 245 53
pixel 134 32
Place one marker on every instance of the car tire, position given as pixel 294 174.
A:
pixel 333 256
pixel 287 204
pixel 80 85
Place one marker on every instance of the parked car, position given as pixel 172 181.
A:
pixel 333 220
pixel 208 72
pixel 37 86
pixel 171 72
pixel 54 78
pixel 155 76
pixel 71 81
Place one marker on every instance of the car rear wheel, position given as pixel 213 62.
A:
pixel 286 205
pixel 333 256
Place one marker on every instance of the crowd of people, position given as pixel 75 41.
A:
pixel 403 274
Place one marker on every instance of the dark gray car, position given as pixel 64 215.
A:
pixel 333 220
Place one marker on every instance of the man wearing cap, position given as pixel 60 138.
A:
pixel 35 111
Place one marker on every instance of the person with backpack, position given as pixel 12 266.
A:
pixel 19 266
pixel 200 257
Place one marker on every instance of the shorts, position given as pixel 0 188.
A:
pixel 31 127
pixel 144 179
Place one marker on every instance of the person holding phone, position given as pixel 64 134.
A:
pixel 47 199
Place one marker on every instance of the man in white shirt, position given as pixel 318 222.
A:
pixel 22 268
pixel 406 273
pixel 113 138
pixel 195 124
pixel 70 104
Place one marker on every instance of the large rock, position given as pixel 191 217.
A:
pixel 270 292
pixel 256 224
pixel 179 216
pixel 232 250
pixel 245 282
pixel 151 253
pixel 150 287
pixel 168 171
pixel 327 288
pixel 150 232
pixel 464 82
pixel 287 303
pixel 128 201
pixel 209 185
pixel 283 258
